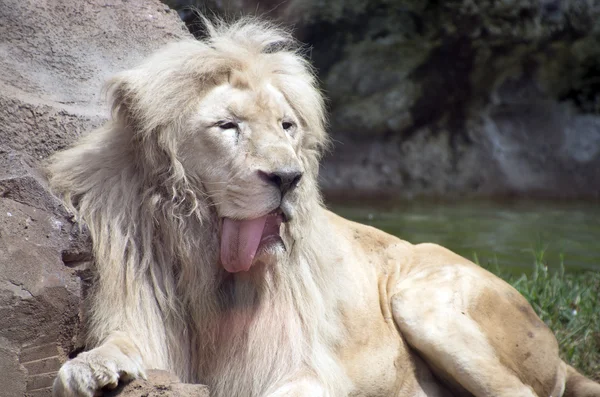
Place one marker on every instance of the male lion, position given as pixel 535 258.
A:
pixel 216 259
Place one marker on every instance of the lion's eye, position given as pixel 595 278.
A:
pixel 286 125
pixel 228 125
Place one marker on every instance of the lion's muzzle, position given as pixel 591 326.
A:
pixel 284 180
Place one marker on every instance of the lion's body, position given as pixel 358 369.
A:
pixel 203 145
pixel 395 284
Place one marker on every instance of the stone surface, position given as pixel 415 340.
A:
pixel 54 57
pixel 461 97
pixel 39 295
pixel 159 384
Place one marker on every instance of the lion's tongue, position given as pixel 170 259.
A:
pixel 239 242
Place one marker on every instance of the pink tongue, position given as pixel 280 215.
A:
pixel 239 242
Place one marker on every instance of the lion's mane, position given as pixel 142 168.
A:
pixel 155 232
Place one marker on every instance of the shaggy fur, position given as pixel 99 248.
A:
pixel 155 231
pixel 327 315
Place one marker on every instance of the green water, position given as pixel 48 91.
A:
pixel 506 234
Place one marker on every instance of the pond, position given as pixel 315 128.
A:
pixel 504 233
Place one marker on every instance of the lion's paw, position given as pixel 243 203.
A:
pixel 88 373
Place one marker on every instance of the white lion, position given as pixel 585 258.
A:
pixel 216 259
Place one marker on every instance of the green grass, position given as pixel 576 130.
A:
pixel 569 303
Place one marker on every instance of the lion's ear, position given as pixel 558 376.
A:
pixel 152 136
pixel 121 97
pixel 147 140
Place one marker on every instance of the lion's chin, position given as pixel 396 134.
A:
pixel 244 241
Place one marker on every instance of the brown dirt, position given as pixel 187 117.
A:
pixel 159 384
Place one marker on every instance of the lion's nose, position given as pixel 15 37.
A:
pixel 284 180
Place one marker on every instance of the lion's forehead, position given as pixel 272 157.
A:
pixel 258 103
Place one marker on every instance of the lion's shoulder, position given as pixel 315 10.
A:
pixel 373 245
pixel 362 234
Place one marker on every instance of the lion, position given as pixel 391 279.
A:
pixel 216 259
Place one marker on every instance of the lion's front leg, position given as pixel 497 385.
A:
pixel 476 330
pixel 102 367
pixel 442 331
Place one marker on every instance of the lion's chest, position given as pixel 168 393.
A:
pixel 252 348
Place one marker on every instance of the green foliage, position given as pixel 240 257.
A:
pixel 569 304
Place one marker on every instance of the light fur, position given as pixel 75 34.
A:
pixel 322 317
pixel 155 233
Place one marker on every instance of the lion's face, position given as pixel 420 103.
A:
pixel 243 144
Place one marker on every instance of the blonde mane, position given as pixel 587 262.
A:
pixel 155 230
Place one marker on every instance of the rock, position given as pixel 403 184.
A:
pixel 461 98
pixel 54 57
pixel 159 384
pixel 39 295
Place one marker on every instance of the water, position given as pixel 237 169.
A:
pixel 505 233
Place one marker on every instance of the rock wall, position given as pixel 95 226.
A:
pixel 455 97
pixel 54 57
pixel 463 97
